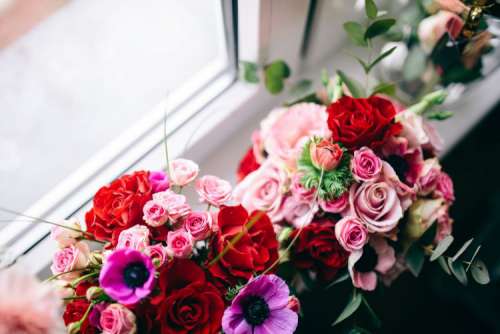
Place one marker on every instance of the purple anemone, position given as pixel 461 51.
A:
pixel 127 276
pixel 261 308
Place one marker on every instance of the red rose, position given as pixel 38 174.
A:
pixel 74 312
pixel 317 249
pixel 362 122
pixel 247 165
pixel 119 206
pixel 187 303
pixel 256 251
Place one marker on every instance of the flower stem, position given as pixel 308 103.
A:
pixel 83 278
pixel 53 277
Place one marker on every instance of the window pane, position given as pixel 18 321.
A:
pixel 76 74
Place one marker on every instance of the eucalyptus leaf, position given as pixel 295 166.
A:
pixel 249 72
pixel 479 272
pixel 356 33
pixel 380 58
pixel 415 259
pixel 350 308
pixel 371 9
pixel 441 247
pixel 325 78
pixel 444 265
pixel 354 86
pixel 375 319
pixel 386 88
pixel 457 269
pixel 278 69
pixel 274 85
pixel 439 115
pixel 359 330
pixel 415 64
pixel 462 249
pixel 341 279
pixel 379 27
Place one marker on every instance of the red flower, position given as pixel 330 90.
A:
pixel 74 312
pixel 362 122
pixel 253 253
pixel 187 303
pixel 119 206
pixel 247 165
pixel 317 249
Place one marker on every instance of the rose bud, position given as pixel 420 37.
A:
pixel 74 328
pixel 93 293
pixel 325 154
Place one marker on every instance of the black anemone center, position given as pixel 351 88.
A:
pixel 255 310
pixel 400 166
pixel 135 274
pixel 368 260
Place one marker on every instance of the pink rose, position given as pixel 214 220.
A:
pixel 455 6
pixel 306 120
pixel 179 243
pixel 444 227
pixel 175 204
pixel 428 177
pixel 263 189
pixel 406 193
pixel 365 165
pixel 336 205
pixel 183 171
pixel 157 253
pixel 351 233
pixel 298 191
pixel 421 215
pixel 432 29
pixel 213 190
pixel 135 237
pixel 325 154
pixel 69 259
pixel 377 205
pixel 66 237
pixel 444 187
pixel 117 319
pixel 155 213
pixel 299 213
pixel 159 181
pixel 199 225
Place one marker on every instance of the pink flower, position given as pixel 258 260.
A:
pixel 284 145
pixel 199 225
pixel 159 181
pixel 135 237
pixel 421 215
pixel 336 205
pixel 325 154
pixel 175 204
pixel 406 193
pixel 28 306
pixel 377 205
pixel 293 304
pixel 365 165
pixel 298 191
pixel 444 227
pixel 299 213
pixel 183 171
pixel 117 319
pixel 157 253
pixel 444 187
pixel 455 6
pixel 351 233
pixel 428 177
pixel 66 237
pixel 155 213
pixel 263 189
pixel 70 259
pixel 432 28
pixel 376 257
pixel 179 243
pixel 213 190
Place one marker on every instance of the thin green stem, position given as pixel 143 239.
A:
pixel 53 277
pixel 473 258
pixel 83 278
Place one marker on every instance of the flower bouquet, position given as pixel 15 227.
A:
pixel 164 268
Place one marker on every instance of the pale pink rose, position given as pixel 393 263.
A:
pixel 382 260
pixel 413 128
pixel 325 154
pixel 66 234
pixel 432 28
pixel 436 143
pixel 213 190
pixel 155 213
pixel 158 253
pixel 179 243
pixel 405 193
pixel 70 259
pixel 263 189
pixel 336 205
pixel 117 319
pixel 421 215
pixel 183 171
pixel 444 187
pixel 175 204
pixel 159 181
pixel 377 204
pixel 135 237
pixel 199 225
pixel 258 147
pixel 428 177
pixel 351 233
pixel 365 165
pixel 287 130
pixel 299 213
pixel 298 191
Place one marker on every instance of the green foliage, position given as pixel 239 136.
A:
pixel 462 249
pixel 439 115
pixel 274 74
pixel 441 247
pixel 233 291
pixel 371 9
pixel 415 259
pixel 350 308
pixel 301 88
pixel 356 33
pixel 375 319
pixel 325 78
pixel 458 270
pixel 379 27
pixel 354 86
pixel 248 72
pixel 387 88
pixel 342 278
pixel 479 272
pixel 335 182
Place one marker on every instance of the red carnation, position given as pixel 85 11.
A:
pixel 119 206
pixel 74 312
pixel 317 249
pixel 362 122
pixel 256 251
pixel 247 165
pixel 187 303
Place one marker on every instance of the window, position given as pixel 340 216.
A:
pixel 84 81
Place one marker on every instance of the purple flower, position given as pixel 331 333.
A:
pixel 127 276
pixel 159 181
pixel 261 308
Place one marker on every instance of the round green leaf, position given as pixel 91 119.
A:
pixel 356 33
pixel 371 9
pixel 457 269
pixel 379 27
pixel 479 272
pixel 441 247
pixel 278 69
